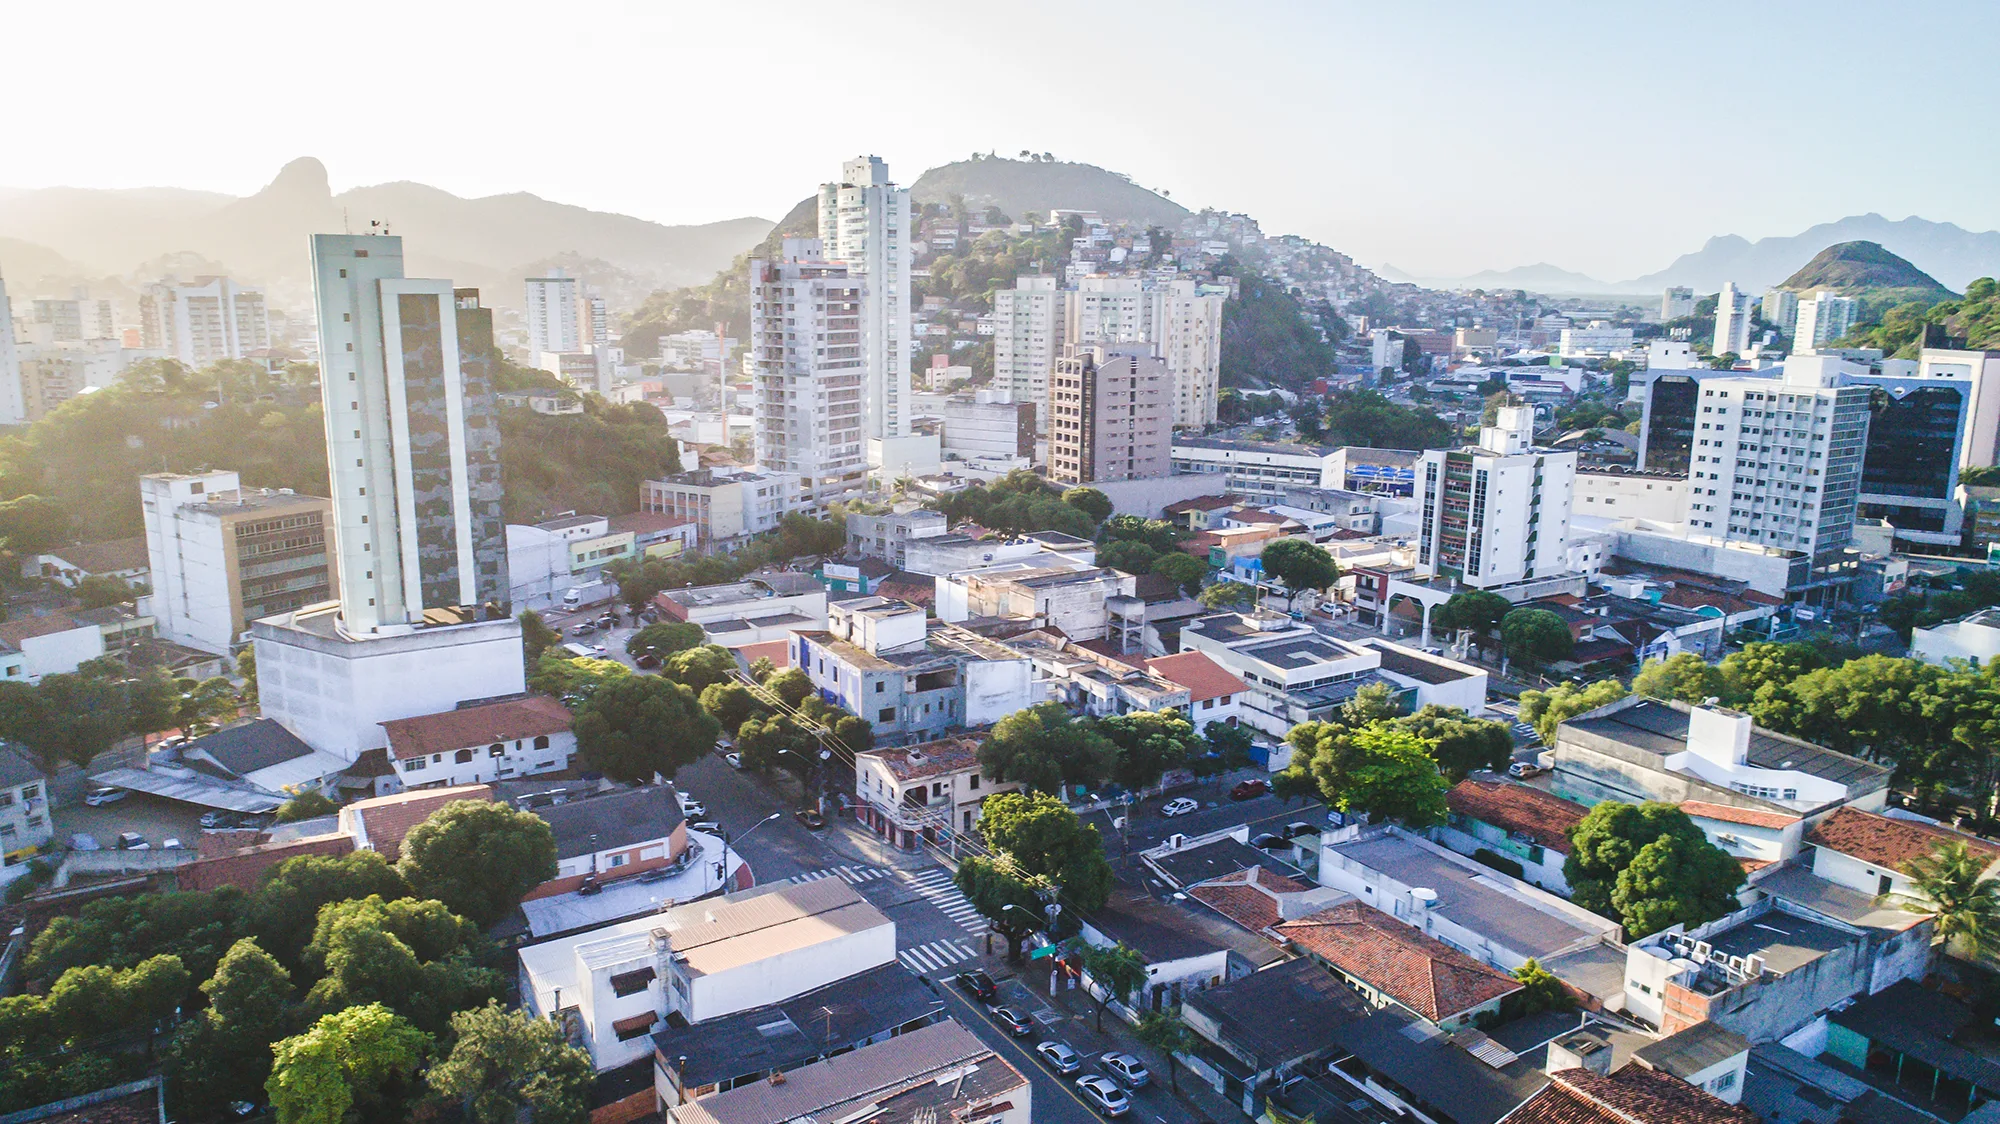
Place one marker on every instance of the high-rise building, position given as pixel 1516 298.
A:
pixel 593 323
pixel 552 315
pixel 222 555
pixel 1028 324
pixel 13 410
pixel 1732 321
pixel 206 322
pixel 1916 432
pixel 1187 333
pixel 1980 370
pixel 60 320
pixel 1497 512
pixel 1777 463
pixel 1780 308
pixel 1110 416
pixel 864 225
pixel 1677 302
pixel 1109 310
pixel 808 344
pixel 413 439
pixel 1823 318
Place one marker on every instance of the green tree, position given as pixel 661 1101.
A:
pixel 1376 702
pixel 306 806
pixel 285 907
pixel 1149 743
pixel 1684 676
pixel 1460 742
pixel 1040 836
pixel 1008 899
pixel 69 717
pixel 1964 905
pixel 1380 769
pixel 206 706
pixel 34 524
pixel 701 666
pixel 1228 748
pixel 94 1001
pixel 223 1054
pixel 152 698
pixel 1045 747
pixel 1182 569
pixel 478 857
pixel 641 725
pixel 1159 534
pixel 506 1066
pixel 246 669
pixel 363 1059
pixel 196 928
pixel 1091 501
pixel 1118 972
pixel 1301 566
pixel 1545 710
pixel 1479 610
pixel 731 704
pixel 765 741
pixel 792 686
pixel 664 639
pixel 573 681
pixel 1540 991
pixel 101 591
pixel 1226 595
pixel 1536 635
pixel 1129 555
pixel 1168 1033
pixel 536 636
pixel 1648 866
pixel 413 956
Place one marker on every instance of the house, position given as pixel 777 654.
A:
pixel 925 792
pixel 853 575
pixel 1266 1026
pixel 1295 673
pixel 1185 950
pixel 1512 822
pixel 124 559
pixel 1388 962
pixel 1755 837
pixel 1215 694
pixel 744 612
pixel 1199 513
pixel 703 960
pixel 481 742
pixel 1425 679
pixel 969 548
pixel 1182 863
pixel 1258 899
pixel 914 679
pixel 1467 1076
pixel 940 1072
pixel 57 642
pixel 1870 853
pixel 610 835
pixel 380 823
pixel 1909 1029
pixel 24 808
pixel 1064 595
pixel 887 537
pixel 1973 639
pixel 263 754
pixel 1706 1055
pixel 1090 682
pixel 1633 1095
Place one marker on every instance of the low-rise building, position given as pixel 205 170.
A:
pixel 1215 694
pixel 1388 962
pixel 1517 823
pixel 1050 591
pixel 221 555
pixel 925 792
pixel 1870 853
pixel 380 823
pixel 1092 683
pixel 482 742
pixel 939 555
pixel 914 679
pixel 1259 468
pixel 888 537
pixel 604 836
pixel 1973 639
pixel 1186 950
pixel 1266 1026
pixel 1635 1094
pixel 725 508
pixel 58 642
pixel 124 559
pixel 24 809
pixel 745 612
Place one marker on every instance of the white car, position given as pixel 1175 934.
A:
pixel 1059 1056
pixel 691 808
pixel 1179 806
pixel 1105 1094
pixel 735 759
pixel 99 796
pixel 1129 1069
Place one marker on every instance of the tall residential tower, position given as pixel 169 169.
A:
pixel 809 377
pixel 1496 512
pixel 864 225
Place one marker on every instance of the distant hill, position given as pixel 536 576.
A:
pixel 1538 278
pixel 1955 257
pixel 262 237
pixel 1020 186
pixel 1866 270
pixel 24 264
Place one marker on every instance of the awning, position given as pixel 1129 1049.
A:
pixel 189 789
pixel 635 1023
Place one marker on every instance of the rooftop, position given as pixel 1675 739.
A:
pixel 1661 728
pixel 621 818
pixel 254 745
pixel 1417 970
pixel 1421 667
pixel 1437 1070
pixel 1202 676
pixel 930 759
pixel 14 633
pixel 385 820
pixel 742 928
pixel 17 768
pixel 1888 841
pixel 1786 941
pixel 1928 1027
pixel 941 1072
pixel 1283 1013
pixel 1247 897
pixel 1687 1052
pixel 1296 652
pixel 1799 886
pixel 1206 861
pixel 108 557
pixel 1162 931
pixel 507 720
pixel 1272 447
pixel 1632 1095
pixel 1543 818
pixel 1467 894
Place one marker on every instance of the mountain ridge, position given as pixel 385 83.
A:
pixel 1020 186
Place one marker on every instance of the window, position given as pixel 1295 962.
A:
pixel 1723 1083
pixel 462 756
pixel 620 860
pixel 497 749
pixel 886 714
pixel 973 782
pixel 881 686
pixel 416 766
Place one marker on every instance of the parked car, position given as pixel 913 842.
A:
pixel 82 842
pixel 692 808
pixel 1180 806
pixel 1104 1094
pixel 1268 840
pixel 977 984
pixel 133 841
pixel 584 629
pixel 1017 1024
pixel 1128 1069
pixel 709 827
pixel 97 797
pixel 1059 1056
pixel 1299 827
pixel 809 819
pixel 735 759
pixel 170 843
pixel 647 662
pixel 1249 790
pixel 1525 769
pixel 217 819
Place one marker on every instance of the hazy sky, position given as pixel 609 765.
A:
pixel 1605 136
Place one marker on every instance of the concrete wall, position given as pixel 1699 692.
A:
pixel 519 758
pixel 1149 497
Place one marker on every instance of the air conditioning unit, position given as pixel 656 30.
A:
pixel 1753 966
pixel 1701 950
pixel 1736 964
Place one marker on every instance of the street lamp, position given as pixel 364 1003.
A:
pixel 722 876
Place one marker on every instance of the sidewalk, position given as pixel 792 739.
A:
pixel 852 840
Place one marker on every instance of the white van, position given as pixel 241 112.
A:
pixel 572 598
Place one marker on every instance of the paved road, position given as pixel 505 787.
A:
pixel 1148 827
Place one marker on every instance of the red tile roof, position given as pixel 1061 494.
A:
pixel 244 868
pixel 931 759
pixel 1420 972
pixel 106 557
pixel 1749 817
pixel 1199 503
pixel 427 734
pixel 12 633
pixel 1541 816
pixel 385 820
pixel 1633 1095
pixel 1202 676
pixel 779 652
pixel 1888 842
pixel 1248 897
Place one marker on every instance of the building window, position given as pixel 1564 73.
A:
pixel 462 756
pixel 886 714
pixel 497 749
pixel 542 741
pixel 620 860
pixel 973 782
pixel 416 766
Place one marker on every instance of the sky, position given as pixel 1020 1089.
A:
pixel 1441 137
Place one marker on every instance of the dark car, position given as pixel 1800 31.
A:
pixel 1017 1024
pixel 1267 841
pixel 647 662
pixel 979 985
pixel 809 819
pixel 1249 790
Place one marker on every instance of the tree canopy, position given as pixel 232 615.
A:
pixel 1648 866
pixel 1043 839
pixel 1536 635
pixel 478 857
pixel 638 725
pixel 1381 769
pixel 1545 710
pixel 1045 746
pixel 1302 566
pixel 504 1064
pixel 1459 742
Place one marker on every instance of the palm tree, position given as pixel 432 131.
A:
pixel 1950 886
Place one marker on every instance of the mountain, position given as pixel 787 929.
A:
pixel 481 242
pixel 1020 186
pixel 1538 278
pixel 1949 253
pixel 1867 271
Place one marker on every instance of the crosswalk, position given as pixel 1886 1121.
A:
pixel 853 875
pixel 1526 732
pixel 935 956
pixel 935 884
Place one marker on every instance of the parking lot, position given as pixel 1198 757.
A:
pixel 150 816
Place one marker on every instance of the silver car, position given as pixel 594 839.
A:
pixel 1128 1069
pixel 1105 1094
pixel 1059 1056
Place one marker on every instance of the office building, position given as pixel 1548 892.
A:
pixel 1732 321
pixel 1916 433
pixel 864 225
pixel 1667 407
pixel 1497 512
pixel 1777 463
pixel 724 507
pixel 808 341
pixel 1981 372
pixel 222 555
pixel 206 322
pixel 1110 417
pixel 552 315
pixel 1824 318
pixel 1677 302
pixel 1028 324
pixel 1780 309
pixel 13 411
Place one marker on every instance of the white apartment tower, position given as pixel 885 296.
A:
pixel 1732 321
pixel 206 322
pixel 1498 512
pixel 1777 463
pixel 864 225
pixel 1676 302
pixel 13 407
pixel 1187 329
pixel 552 315
pixel 413 440
pixel 1781 308
pixel 1109 310
pixel 1028 325
pixel 1823 318
pixel 593 322
pixel 808 347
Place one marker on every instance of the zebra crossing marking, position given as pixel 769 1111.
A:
pixel 853 875
pixel 936 885
pixel 934 957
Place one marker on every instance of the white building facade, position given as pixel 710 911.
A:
pixel 551 315
pixel 809 343
pixel 1823 318
pixel 864 224
pixel 1028 325
pixel 1732 321
pixel 1498 512
pixel 13 407
pixel 206 322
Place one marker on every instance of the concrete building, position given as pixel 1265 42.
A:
pixel 13 409
pixel 992 425
pixel 946 554
pixel 725 507
pixel 481 743
pixel 1187 333
pixel 888 537
pixel 551 310
pixel 58 642
pixel 809 321
pixel 1388 962
pixel 1073 600
pixel 1823 318
pixel 864 224
pixel 1110 417
pixel 1498 512
pixel 24 812
pixel 1781 307
pixel 1981 372
pixel 1732 321
pixel 1514 821
pixel 915 680
pixel 1973 639
pixel 1259 468
pixel 924 793
pixel 1677 302
pixel 1028 325
pixel 746 612
pixel 1918 430
pixel 1659 497
pixel 206 322
pixel 221 555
